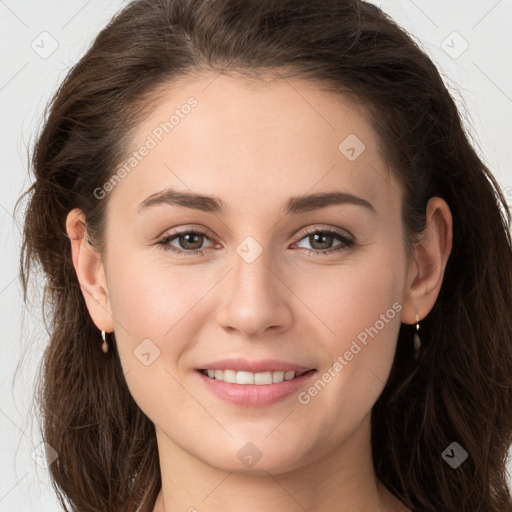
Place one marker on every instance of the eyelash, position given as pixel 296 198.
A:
pixel 347 242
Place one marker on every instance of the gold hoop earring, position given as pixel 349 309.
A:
pixel 104 345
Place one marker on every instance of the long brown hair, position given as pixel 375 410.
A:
pixel 459 390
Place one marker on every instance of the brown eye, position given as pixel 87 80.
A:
pixel 321 241
pixel 184 243
pixel 190 241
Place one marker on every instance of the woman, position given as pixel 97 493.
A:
pixel 202 356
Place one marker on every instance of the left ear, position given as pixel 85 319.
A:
pixel 426 272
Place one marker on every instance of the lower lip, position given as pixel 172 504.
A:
pixel 253 395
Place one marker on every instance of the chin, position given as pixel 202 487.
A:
pixel 254 459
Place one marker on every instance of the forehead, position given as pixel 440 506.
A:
pixel 254 143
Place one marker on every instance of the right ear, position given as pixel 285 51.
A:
pixel 90 271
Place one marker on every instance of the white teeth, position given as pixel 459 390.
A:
pixel 242 377
pixel 277 377
pixel 263 378
pixel 228 376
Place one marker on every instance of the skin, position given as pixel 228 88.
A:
pixel 255 145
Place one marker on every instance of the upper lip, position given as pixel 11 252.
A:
pixel 245 365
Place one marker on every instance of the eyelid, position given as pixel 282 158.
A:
pixel 185 229
pixel 343 235
pixel 171 233
pixel 194 231
pixel 317 228
pixel 203 230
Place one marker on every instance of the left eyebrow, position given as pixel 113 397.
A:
pixel 310 202
pixel 213 204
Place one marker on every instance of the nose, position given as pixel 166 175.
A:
pixel 255 298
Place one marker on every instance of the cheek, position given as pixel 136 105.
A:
pixel 351 298
pixel 361 309
pixel 153 308
pixel 151 298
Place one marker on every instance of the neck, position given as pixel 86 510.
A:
pixel 343 480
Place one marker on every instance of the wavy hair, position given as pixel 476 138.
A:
pixel 459 390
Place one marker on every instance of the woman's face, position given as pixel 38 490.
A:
pixel 272 281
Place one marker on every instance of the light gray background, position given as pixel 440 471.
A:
pixel 479 77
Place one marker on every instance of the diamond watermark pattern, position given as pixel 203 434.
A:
pixel 249 250
pixel 454 45
pixel 351 147
pixel 146 352
pixel 249 455
pixel 44 45
pixel 454 455
pixel 44 455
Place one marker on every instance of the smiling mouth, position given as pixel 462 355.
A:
pixel 250 378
